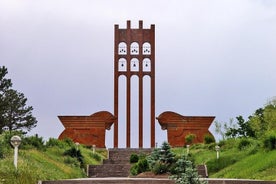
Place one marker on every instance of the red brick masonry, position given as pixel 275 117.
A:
pixel 87 130
pixel 178 127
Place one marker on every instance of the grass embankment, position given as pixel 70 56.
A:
pixel 239 158
pixel 236 160
pixel 48 164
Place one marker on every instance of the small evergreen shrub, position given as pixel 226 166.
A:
pixel 161 160
pixel 186 172
pixel 133 158
pixel 140 166
pixel 208 139
pixel 160 168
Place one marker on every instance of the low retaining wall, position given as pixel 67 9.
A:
pixel 149 181
pixel 238 181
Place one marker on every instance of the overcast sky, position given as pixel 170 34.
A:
pixel 213 58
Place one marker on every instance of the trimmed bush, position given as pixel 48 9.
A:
pixel 133 158
pixel 141 165
pixel 208 139
pixel 190 138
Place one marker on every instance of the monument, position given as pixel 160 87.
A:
pixel 178 127
pixel 134 56
pixel 87 130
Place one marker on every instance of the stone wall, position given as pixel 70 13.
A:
pixel 150 181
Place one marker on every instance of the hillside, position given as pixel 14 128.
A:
pixel 50 162
pixel 238 158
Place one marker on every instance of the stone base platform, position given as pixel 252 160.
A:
pixel 150 181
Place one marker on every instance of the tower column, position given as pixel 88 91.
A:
pixel 141 111
pixel 128 114
pixel 132 45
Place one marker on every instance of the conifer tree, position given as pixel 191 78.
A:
pixel 14 112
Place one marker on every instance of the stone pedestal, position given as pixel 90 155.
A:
pixel 178 127
pixel 87 130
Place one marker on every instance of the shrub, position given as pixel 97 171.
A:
pixel 52 142
pixel 243 143
pixel 190 138
pixel 270 141
pixel 72 161
pixel 33 142
pixel 134 170
pixel 68 142
pixel 141 164
pixel 161 160
pixel 75 153
pixel 96 156
pixel 208 139
pixel 186 172
pixel 160 168
pixel 4 146
pixel 133 158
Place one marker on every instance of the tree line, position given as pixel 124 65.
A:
pixel 260 125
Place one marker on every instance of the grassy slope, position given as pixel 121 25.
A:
pixel 34 165
pixel 250 162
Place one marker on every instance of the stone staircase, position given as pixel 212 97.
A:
pixel 117 165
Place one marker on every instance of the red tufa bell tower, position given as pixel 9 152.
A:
pixel 134 54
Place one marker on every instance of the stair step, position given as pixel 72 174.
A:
pixel 117 165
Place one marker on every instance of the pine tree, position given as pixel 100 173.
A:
pixel 14 113
pixel 186 172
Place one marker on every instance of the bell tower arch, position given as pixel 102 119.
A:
pixel 134 54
